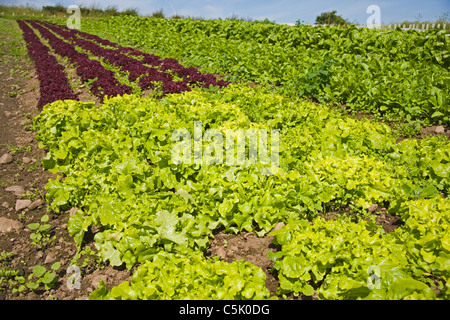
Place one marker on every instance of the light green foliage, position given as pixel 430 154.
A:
pixel 397 74
pixel 426 236
pixel 8 274
pixel 356 261
pixel 41 235
pixel 119 173
pixel 170 276
pixel 40 276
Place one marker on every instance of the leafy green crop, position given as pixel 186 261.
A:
pixel 391 73
pixel 344 260
pixel 114 163
pixel 175 277
pixel 41 234
pixel 38 277
pixel 41 276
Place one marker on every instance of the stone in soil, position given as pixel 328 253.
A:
pixel 7 225
pixel 50 258
pixel 35 204
pixel 439 130
pixel 26 160
pixel 22 204
pixel 278 226
pixel 6 158
pixel 16 189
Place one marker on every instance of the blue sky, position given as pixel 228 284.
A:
pixel 281 11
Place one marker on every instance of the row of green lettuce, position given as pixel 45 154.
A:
pixel 396 74
pixel 340 258
pixel 115 165
pixel 344 260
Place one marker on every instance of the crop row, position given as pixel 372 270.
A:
pixel 120 173
pixel 390 73
pixel 138 69
pixel 190 75
pixel 158 216
pixel 53 82
pixel 105 81
pixel 149 70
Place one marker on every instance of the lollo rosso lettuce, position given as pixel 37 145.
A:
pixel 53 82
pixel 137 64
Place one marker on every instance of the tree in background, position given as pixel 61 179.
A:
pixel 158 14
pixel 331 18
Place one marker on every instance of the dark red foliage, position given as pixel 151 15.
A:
pixel 139 69
pixel 104 81
pixel 116 57
pixel 53 82
pixel 175 87
pixel 153 76
pixel 143 67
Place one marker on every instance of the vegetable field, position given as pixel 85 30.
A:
pixel 353 208
pixel 385 72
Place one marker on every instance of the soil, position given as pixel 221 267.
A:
pixel 248 246
pixel 434 131
pixel 388 221
pixel 251 248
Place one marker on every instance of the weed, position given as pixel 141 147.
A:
pixel 13 94
pixel 90 258
pixel 39 276
pixel 41 237
pixel 16 149
pixel 33 167
pixel 7 273
pixel 37 194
